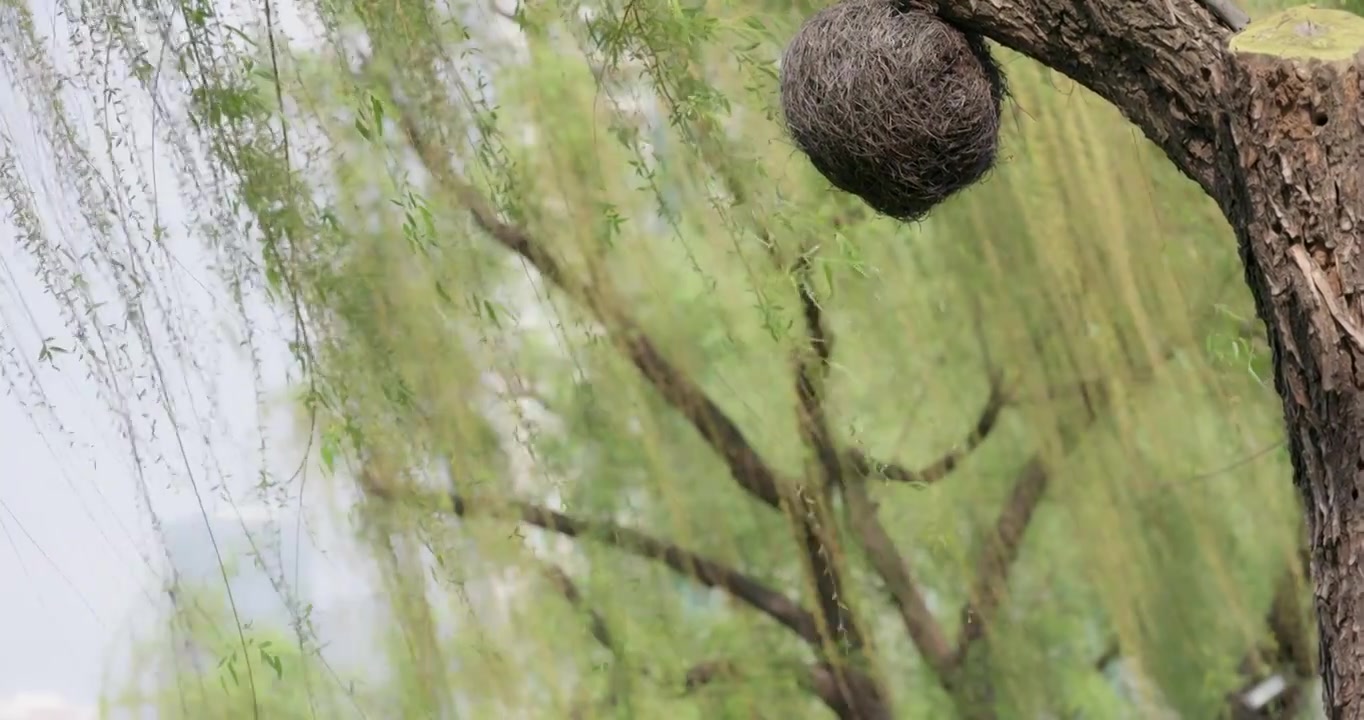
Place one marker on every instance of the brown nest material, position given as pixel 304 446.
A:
pixel 892 104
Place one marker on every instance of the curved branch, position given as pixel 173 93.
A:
pixel 1158 61
pixel 865 466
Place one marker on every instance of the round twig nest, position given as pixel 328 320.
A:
pixel 892 104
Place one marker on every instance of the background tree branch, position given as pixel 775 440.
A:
pixel 749 470
pixel 618 691
pixel 865 466
pixel 812 369
pixel 710 573
pixel 838 628
pixel 892 566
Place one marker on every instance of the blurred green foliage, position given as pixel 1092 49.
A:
pixel 641 144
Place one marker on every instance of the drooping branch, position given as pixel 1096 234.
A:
pixel 710 573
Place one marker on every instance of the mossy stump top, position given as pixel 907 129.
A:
pixel 1306 32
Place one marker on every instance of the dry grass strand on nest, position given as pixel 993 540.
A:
pixel 892 104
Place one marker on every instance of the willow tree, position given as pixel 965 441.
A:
pixel 577 281
pixel 1270 123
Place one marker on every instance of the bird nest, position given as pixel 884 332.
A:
pixel 892 104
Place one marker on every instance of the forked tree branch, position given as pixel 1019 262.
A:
pixel 710 573
pixel 889 562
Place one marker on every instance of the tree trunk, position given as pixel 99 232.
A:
pixel 1272 128
pixel 1295 108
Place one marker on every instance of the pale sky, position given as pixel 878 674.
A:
pixel 78 558
pixel 79 561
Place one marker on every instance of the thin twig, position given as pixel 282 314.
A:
pixel 986 421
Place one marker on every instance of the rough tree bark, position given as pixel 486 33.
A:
pixel 1270 123
pixel 1297 204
